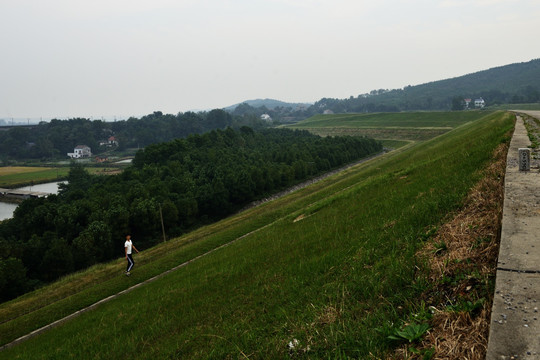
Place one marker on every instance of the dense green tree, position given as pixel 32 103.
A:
pixel 218 119
pixel 57 260
pixel 94 244
pixel 13 281
pixel 458 103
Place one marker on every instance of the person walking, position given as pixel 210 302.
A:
pixel 128 246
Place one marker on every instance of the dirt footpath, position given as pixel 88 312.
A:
pixel 515 325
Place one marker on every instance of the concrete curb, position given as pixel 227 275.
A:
pixel 515 328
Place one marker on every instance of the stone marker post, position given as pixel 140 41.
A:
pixel 524 159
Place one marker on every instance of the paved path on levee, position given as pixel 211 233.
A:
pixel 515 325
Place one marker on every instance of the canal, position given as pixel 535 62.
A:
pixel 7 209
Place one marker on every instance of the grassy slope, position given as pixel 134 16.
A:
pixel 393 129
pixel 391 120
pixel 328 280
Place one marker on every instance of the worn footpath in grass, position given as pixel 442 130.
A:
pixel 326 283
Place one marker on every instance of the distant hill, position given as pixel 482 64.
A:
pixel 272 110
pixel 517 83
pixel 514 83
pixel 268 103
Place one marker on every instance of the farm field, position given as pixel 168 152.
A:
pixel 402 128
pixel 11 176
pixel 15 176
pixel 533 106
pixel 331 269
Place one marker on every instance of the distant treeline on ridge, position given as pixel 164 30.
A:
pixel 56 138
pixel 510 84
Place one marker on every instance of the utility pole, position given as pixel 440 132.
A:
pixel 162 225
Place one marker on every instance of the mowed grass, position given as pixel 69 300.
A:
pixel 410 126
pixel 327 266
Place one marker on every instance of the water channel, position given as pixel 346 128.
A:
pixel 7 209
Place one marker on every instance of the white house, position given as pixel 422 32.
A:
pixel 111 141
pixel 479 103
pixel 80 151
pixel 266 117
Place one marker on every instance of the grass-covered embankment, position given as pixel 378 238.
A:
pixel 392 129
pixel 331 279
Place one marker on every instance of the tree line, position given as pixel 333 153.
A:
pixel 193 181
pixel 423 97
pixel 56 138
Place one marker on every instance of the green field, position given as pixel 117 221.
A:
pixel 19 176
pixel 331 266
pixel 533 106
pixel 16 176
pixel 402 127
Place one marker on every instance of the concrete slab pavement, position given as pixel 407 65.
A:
pixel 515 325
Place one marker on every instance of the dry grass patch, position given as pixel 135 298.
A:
pixel 462 260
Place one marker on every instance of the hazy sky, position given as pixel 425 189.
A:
pixel 73 58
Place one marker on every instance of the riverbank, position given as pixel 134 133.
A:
pixel 21 194
pixel 10 198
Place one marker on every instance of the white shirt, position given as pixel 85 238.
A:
pixel 128 246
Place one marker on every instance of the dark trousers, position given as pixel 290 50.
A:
pixel 130 262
